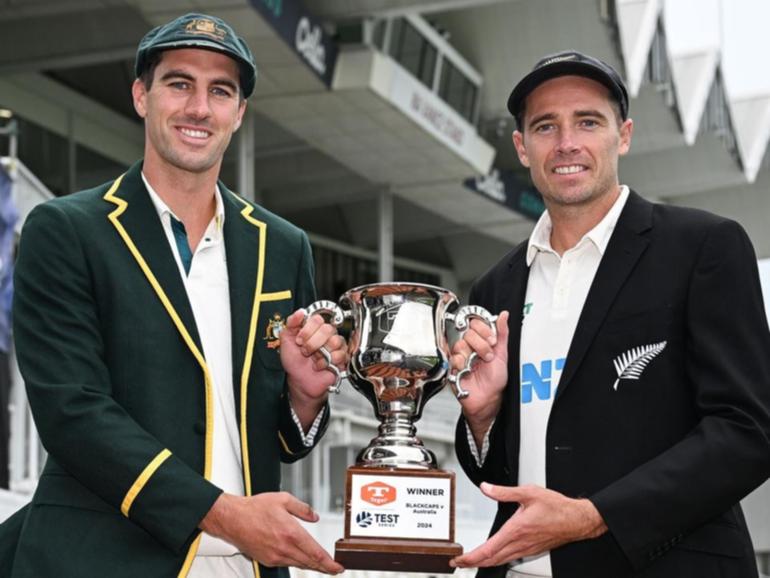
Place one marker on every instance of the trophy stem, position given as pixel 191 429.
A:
pixel 398 426
pixel 397 446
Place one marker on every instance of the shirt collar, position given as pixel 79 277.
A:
pixel 540 239
pixel 163 209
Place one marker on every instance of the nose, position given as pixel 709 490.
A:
pixel 197 105
pixel 567 142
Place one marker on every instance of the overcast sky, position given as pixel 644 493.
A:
pixel 742 27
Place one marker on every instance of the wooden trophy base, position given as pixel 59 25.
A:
pixel 396 555
pixel 399 520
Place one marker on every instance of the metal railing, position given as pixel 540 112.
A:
pixel 716 118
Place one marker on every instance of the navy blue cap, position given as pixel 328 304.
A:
pixel 569 62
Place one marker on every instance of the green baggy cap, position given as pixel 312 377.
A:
pixel 200 31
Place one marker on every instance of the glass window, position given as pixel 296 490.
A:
pixel 412 51
pixel 350 32
pixel 378 34
pixel 456 90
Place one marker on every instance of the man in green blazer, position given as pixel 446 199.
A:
pixel 165 370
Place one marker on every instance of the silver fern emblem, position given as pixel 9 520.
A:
pixel 631 364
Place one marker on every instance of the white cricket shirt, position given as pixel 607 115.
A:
pixel 556 292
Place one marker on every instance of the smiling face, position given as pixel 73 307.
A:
pixel 191 110
pixel 571 140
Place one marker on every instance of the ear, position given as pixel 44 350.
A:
pixel 139 94
pixel 241 112
pixel 626 131
pixel 518 143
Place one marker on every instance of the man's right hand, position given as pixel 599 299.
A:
pixel 265 528
pixel 486 382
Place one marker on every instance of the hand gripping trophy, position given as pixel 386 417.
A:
pixel 399 507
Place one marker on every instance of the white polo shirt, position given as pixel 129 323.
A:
pixel 556 292
pixel 207 287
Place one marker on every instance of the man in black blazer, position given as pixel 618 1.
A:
pixel 623 410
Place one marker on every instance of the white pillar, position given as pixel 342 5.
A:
pixel 385 236
pixel 247 186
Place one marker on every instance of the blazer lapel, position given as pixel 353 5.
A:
pixel 623 251
pixel 514 290
pixel 136 221
pixel 244 241
pixel 246 246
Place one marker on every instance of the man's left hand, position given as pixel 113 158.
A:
pixel 306 369
pixel 545 520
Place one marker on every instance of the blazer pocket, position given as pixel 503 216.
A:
pixel 64 490
pixel 715 538
pixel 271 322
pixel 654 320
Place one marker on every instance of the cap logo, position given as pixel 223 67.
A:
pixel 559 59
pixel 207 28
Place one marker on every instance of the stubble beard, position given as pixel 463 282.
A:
pixel 580 194
pixel 190 161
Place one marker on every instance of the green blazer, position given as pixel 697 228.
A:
pixel 119 387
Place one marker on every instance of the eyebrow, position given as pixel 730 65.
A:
pixel 224 81
pixel 177 74
pixel 541 118
pixel 590 112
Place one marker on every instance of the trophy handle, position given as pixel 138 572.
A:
pixel 461 321
pixel 337 317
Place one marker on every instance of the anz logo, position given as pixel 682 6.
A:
pixel 536 380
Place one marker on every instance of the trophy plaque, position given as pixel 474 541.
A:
pixel 399 507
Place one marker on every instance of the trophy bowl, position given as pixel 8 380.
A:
pixel 399 359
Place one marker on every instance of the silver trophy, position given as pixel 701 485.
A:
pixel 399 359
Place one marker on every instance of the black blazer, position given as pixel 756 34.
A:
pixel 665 458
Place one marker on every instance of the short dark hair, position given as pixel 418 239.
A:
pixel 148 73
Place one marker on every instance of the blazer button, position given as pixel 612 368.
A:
pixel 199 427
